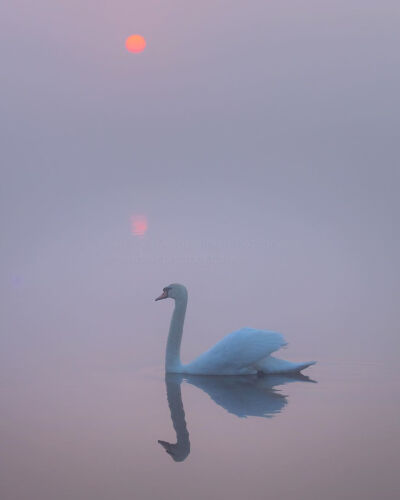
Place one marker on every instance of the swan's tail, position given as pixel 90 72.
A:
pixel 274 365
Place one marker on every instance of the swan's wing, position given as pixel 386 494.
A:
pixel 237 351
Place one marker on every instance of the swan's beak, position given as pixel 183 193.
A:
pixel 164 295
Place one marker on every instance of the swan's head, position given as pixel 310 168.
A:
pixel 174 291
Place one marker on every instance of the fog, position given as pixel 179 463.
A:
pixel 259 142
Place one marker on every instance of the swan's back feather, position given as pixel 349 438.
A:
pixel 236 352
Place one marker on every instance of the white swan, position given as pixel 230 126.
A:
pixel 244 352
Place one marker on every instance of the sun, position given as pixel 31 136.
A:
pixel 135 43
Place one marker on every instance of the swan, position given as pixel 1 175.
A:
pixel 243 352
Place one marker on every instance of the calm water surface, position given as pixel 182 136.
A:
pixel 96 430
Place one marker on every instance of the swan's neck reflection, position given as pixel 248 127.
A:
pixel 243 396
pixel 181 449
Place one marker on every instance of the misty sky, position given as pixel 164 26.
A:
pixel 260 140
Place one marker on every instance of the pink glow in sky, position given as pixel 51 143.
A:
pixel 139 225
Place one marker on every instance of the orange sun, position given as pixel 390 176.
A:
pixel 135 43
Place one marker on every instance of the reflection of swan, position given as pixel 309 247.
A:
pixel 181 449
pixel 242 396
pixel 246 396
pixel 244 352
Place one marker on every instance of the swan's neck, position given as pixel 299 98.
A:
pixel 172 355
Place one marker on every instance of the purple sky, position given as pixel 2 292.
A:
pixel 260 141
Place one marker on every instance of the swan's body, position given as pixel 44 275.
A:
pixel 244 352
